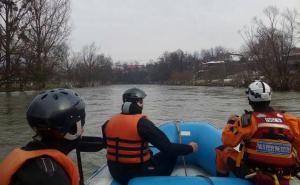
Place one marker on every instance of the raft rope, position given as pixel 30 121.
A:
pixel 209 180
pixel 177 122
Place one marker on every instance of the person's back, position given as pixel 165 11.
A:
pixel 57 116
pixel 274 136
pixel 40 169
pixel 269 141
pixel 127 136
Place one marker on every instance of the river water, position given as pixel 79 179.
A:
pixel 162 104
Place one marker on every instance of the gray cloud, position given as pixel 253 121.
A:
pixel 129 30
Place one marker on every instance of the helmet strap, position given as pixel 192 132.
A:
pixel 140 104
pixel 72 137
pixel 37 137
pixel 263 86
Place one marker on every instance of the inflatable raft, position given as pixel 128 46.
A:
pixel 197 168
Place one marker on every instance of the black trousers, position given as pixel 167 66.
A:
pixel 160 164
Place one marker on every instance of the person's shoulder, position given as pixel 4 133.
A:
pixel 242 121
pixel 115 116
pixel 105 123
pixel 145 122
pixel 144 118
pixel 290 116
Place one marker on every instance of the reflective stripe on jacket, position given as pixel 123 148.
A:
pixel 271 144
pixel 124 144
pixel 18 157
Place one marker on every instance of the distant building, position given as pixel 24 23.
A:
pixel 117 66
pixel 219 69
pixel 128 67
pixel 214 63
pixel 233 57
pixel 294 58
pixel 135 67
pixel 212 70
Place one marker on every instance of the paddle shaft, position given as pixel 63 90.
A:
pixel 79 166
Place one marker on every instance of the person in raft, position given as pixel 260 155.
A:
pixel 57 116
pixel 269 142
pixel 127 136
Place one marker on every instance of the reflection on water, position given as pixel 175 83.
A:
pixel 13 127
pixel 163 103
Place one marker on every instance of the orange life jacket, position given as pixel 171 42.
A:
pixel 271 144
pixel 124 144
pixel 18 157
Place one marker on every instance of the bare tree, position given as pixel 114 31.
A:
pixel 60 57
pixel 103 69
pixel 269 44
pixel 12 27
pixel 48 28
pixel 89 68
pixel 89 59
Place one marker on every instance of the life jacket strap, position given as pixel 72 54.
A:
pixel 123 140
pixel 276 181
pixel 142 151
pixel 240 156
pixel 117 149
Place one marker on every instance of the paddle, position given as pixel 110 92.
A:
pixel 79 166
pixel 87 144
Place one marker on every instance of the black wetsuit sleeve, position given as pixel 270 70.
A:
pixel 149 132
pixel 90 144
pixel 42 171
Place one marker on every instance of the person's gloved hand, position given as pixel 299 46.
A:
pixel 263 179
pixel 232 119
pixel 194 146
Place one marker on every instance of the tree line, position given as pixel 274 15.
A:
pixel 31 35
pixel 34 53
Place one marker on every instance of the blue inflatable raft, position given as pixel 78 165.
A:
pixel 199 168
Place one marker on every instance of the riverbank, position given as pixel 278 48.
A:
pixel 215 82
pixel 224 83
pixel 34 88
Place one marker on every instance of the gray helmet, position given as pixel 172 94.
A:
pixel 54 113
pixel 133 95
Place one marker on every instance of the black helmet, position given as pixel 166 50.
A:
pixel 54 113
pixel 133 95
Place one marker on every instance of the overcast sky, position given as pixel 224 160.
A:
pixel 129 30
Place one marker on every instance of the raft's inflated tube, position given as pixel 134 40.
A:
pixel 188 181
pixel 205 135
